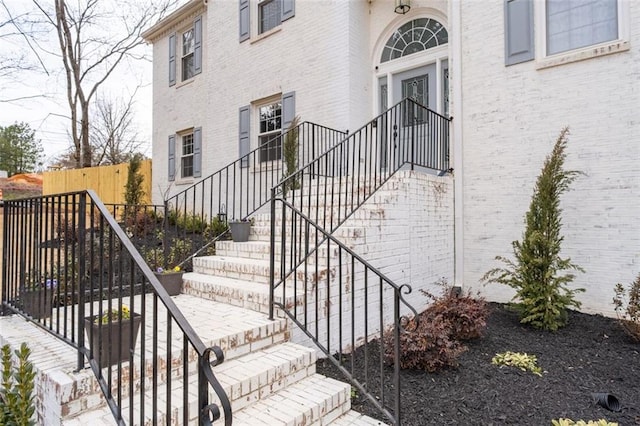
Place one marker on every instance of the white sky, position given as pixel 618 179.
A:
pixel 46 115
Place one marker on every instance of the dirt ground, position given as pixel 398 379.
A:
pixel 591 354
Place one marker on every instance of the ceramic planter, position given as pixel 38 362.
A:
pixel 171 281
pixel 111 342
pixel 240 231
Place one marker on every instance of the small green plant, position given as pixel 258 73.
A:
pixel 191 223
pixel 569 422
pixel 537 271
pixel 629 316
pixel 113 315
pixel 523 361
pixel 290 154
pixel 16 393
pixel 161 258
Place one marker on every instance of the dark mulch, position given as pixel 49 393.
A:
pixel 591 354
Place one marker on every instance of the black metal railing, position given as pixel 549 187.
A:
pixel 344 301
pixel 241 187
pixel 69 267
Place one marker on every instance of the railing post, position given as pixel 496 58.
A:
pixel 82 221
pixel 396 354
pixel 5 253
pixel 272 254
pixel 413 135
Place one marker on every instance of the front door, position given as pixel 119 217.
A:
pixel 420 85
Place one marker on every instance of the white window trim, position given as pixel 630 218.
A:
pixel 179 180
pixel 621 44
pixel 269 164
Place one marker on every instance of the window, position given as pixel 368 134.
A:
pixel 270 128
pixel 270 15
pixel 186 160
pixel 413 37
pixel 185 146
pixel 185 51
pixel 188 55
pixel 572 25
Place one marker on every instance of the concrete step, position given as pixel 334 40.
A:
pixel 353 418
pixel 260 250
pixel 245 380
pixel 246 294
pixel 316 400
pixel 68 392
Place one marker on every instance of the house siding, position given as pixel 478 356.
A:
pixel 511 117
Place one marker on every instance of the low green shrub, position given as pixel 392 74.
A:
pixel 523 361
pixel 629 315
pixel 569 422
pixel 16 390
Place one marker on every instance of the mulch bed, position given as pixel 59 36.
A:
pixel 591 354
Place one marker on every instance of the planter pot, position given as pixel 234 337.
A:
pixel 111 343
pixel 171 281
pixel 240 231
pixel 38 303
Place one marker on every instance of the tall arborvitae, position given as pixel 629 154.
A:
pixel 538 273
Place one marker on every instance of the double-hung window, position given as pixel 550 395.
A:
pixel 186 159
pixel 269 12
pixel 269 136
pixel 188 45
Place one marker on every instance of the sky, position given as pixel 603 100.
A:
pixel 46 109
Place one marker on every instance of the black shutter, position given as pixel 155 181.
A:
pixel 518 31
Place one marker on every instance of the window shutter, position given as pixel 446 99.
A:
pixel 172 158
pixel 244 20
pixel 288 9
pixel 518 31
pixel 288 109
pixel 172 60
pixel 244 144
pixel 197 152
pixel 197 45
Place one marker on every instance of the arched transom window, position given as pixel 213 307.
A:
pixel 415 36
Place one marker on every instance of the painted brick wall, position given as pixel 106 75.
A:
pixel 511 117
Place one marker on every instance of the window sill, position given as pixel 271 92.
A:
pixel 185 83
pixel 608 48
pixel 265 34
pixel 184 182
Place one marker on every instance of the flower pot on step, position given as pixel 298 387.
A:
pixel 171 281
pixel 114 341
pixel 38 303
pixel 240 231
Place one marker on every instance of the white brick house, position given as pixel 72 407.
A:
pixel 511 73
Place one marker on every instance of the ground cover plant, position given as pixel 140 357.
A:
pixel 590 354
pixel 627 304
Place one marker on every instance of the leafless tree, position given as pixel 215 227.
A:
pixel 94 38
pixel 114 139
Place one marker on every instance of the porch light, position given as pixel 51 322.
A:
pixel 403 6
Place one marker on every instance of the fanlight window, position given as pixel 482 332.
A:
pixel 415 36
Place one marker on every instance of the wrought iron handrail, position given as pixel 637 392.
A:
pixel 324 194
pixel 67 265
pixel 243 186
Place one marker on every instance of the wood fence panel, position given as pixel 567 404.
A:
pixel 107 181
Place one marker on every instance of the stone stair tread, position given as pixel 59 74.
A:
pixel 233 283
pixel 353 418
pixel 313 400
pixel 238 260
pixel 245 380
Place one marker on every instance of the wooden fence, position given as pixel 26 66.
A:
pixel 108 181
